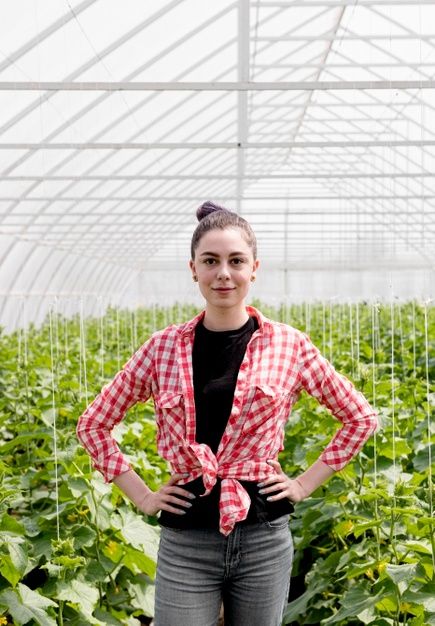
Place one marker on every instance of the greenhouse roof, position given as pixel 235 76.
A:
pixel 314 120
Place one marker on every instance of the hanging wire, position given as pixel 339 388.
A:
pixel 352 356
pixel 101 60
pixel 429 422
pixel 323 328
pixel 414 340
pixel 118 341
pixel 23 366
pixel 375 324
pixel 393 405
pixel 54 409
pixel 357 338
pixel 102 346
pixel 83 357
pixel 331 319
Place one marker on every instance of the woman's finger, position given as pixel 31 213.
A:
pixel 180 491
pixel 172 509
pixel 276 466
pixel 272 488
pixel 178 501
pixel 176 477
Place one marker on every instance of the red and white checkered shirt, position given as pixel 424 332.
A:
pixel 279 362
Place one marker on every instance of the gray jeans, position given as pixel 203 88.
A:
pixel 249 571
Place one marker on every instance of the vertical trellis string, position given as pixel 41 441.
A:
pixel 375 446
pixel 83 358
pixel 330 330
pixel 393 404
pixel 53 404
pixel 24 363
pixel 307 318
pixel 323 328
pixel 83 364
pixel 414 340
pixel 357 339
pixel 429 422
pixel 102 346
pixel 118 340
pixel 351 338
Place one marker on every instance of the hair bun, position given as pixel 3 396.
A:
pixel 206 208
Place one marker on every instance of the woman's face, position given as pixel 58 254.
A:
pixel 224 265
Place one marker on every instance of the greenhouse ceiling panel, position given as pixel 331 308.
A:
pixel 314 120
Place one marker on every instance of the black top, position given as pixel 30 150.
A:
pixel 216 359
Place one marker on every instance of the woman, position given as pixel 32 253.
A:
pixel 223 385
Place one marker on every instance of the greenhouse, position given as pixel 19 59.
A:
pixel 313 123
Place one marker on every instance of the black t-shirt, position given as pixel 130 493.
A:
pixel 216 359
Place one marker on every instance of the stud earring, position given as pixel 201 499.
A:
pixel 195 278
pixel 252 278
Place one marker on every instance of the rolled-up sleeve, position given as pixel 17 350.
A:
pixel 359 420
pixel 94 429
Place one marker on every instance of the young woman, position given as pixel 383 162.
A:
pixel 223 385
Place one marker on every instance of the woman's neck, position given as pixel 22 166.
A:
pixel 225 319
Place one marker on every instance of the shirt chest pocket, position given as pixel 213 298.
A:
pixel 170 413
pixel 265 404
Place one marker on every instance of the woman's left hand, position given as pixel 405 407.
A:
pixel 281 486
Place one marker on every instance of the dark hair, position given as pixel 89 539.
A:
pixel 211 216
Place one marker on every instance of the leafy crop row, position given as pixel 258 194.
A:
pixel 74 551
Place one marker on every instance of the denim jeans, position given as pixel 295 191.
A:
pixel 249 571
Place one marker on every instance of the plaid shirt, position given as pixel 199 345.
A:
pixel 279 363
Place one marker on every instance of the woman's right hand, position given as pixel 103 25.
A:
pixel 168 498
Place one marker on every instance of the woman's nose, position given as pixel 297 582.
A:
pixel 223 272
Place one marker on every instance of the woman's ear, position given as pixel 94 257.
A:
pixel 192 268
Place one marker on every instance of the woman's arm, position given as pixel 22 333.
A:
pixel 359 420
pixel 94 429
pixel 319 378
pixel 298 488
pixel 167 498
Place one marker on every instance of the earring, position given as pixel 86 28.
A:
pixel 195 278
pixel 253 278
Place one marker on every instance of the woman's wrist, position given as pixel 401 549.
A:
pixel 134 487
pixel 314 477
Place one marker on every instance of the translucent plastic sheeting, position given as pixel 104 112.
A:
pixel 312 119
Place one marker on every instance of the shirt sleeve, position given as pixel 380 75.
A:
pixel 359 420
pixel 94 429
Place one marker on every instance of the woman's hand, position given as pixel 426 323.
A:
pixel 281 483
pixel 168 498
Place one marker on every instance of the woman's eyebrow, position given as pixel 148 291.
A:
pixel 216 254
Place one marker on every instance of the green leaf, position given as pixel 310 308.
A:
pixel 138 562
pixel 25 605
pixel 84 536
pixel 9 571
pixel 11 525
pixel 402 575
pixel 298 607
pixel 14 564
pixel 25 438
pixel 107 618
pixel 137 533
pixel 79 593
pixel 357 600
pixel 142 597
pixel 417 546
pixel 401 448
pixel 425 597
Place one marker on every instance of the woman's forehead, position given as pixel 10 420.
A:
pixel 228 238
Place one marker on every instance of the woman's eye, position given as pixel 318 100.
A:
pixel 209 261
pixel 237 261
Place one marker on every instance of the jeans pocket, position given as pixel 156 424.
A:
pixel 278 523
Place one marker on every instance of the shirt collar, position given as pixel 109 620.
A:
pixel 264 324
